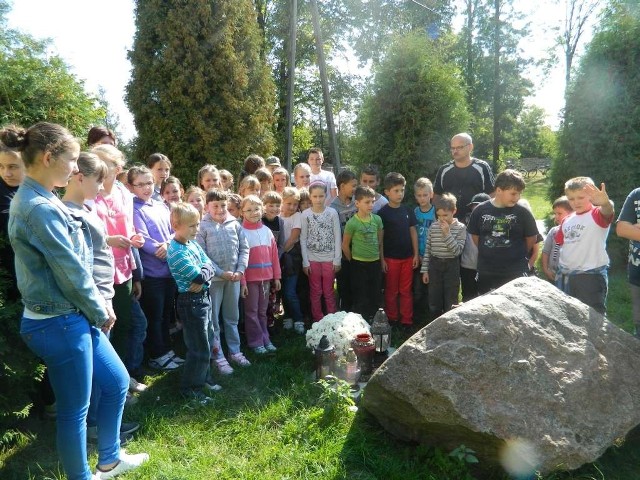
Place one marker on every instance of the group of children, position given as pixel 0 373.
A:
pixel 216 257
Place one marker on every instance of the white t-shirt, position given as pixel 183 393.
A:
pixel 289 223
pixel 329 179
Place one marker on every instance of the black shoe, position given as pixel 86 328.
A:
pixel 127 428
pixel 124 439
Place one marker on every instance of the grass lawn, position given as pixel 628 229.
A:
pixel 536 195
pixel 271 421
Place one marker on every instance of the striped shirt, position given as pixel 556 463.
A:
pixel 444 246
pixel 185 263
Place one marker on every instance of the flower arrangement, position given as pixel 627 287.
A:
pixel 340 328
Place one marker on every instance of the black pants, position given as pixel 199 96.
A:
pixel 469 283
pixel 366 285
pixel 490 281
pixel 343 279
pixel 444 284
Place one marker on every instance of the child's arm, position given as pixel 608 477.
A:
pixel 346 245
pixel 293 238
pixel 304 230
pixel 243 254
pixel 628 230
pixel 535 252
pixel 381 249
pixel 337 241
pixel 414 244
pixel 454 238
pixel 275 264
pixel 545 267
pixel 531 242
pixel 150 245
pixel 425 259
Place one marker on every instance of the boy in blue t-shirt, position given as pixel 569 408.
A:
pixel 425 214
pixel 399 251
pixel 192 271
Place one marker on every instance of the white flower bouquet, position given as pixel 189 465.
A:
pixel 340 328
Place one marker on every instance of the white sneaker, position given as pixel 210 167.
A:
pixel 165 362
pixel 287 323
pixel 136 386
pixel 212 387
pixel 127 462
pixel 175 358
pixel 299 327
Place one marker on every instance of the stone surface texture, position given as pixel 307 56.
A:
pixel 525 363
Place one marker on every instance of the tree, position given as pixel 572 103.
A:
pixel 600 138
pixel 577 14
pixel 37 86
pixel 493 71
pixel 200 90
pixel 374 22
pixel 531 136
pixel 415 103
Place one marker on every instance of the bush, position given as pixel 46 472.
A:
pixel 19 369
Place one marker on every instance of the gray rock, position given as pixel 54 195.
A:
pixel 525 371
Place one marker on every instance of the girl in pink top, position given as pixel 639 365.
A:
pixel 263 267
pixel 114 206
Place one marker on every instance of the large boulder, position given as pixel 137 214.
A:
pixel 524 374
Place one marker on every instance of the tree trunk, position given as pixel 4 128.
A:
pixel 496 85
pixel 325 86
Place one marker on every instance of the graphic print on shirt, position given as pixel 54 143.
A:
pixel 498 230
pixel 634 245
pixel 572 233
pixel 320 237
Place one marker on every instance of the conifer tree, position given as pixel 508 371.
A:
pixel 200 90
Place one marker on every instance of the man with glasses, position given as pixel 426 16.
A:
pixel 464 176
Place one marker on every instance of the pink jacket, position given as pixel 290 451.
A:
pixel 263 254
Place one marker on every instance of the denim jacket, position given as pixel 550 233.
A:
pixel 53 253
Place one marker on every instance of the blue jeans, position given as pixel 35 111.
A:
pixel 290 296
pixel 75 353
pixel 158 296
pixel 224 305
pixel 137 334
pixel 197 330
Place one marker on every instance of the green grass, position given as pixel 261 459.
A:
pixel 268 422
pixel 536 195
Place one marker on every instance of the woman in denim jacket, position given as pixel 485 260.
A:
pixel 65 316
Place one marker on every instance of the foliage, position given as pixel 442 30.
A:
pixel 530 134
pixel 600 138
pixel 415 103
pixel 375 21
pixel 200 90
pixel 477 49
pixel 464 454
pixel 335 396
pixel 335 23
pixel 19 369
pixel 37 86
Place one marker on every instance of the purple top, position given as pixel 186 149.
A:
pixel 151 220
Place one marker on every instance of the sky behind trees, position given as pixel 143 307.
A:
pixel 94 40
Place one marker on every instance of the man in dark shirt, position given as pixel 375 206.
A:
pixel 464 176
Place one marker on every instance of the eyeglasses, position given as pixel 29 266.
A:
pixel 141 185
pixel 457 149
